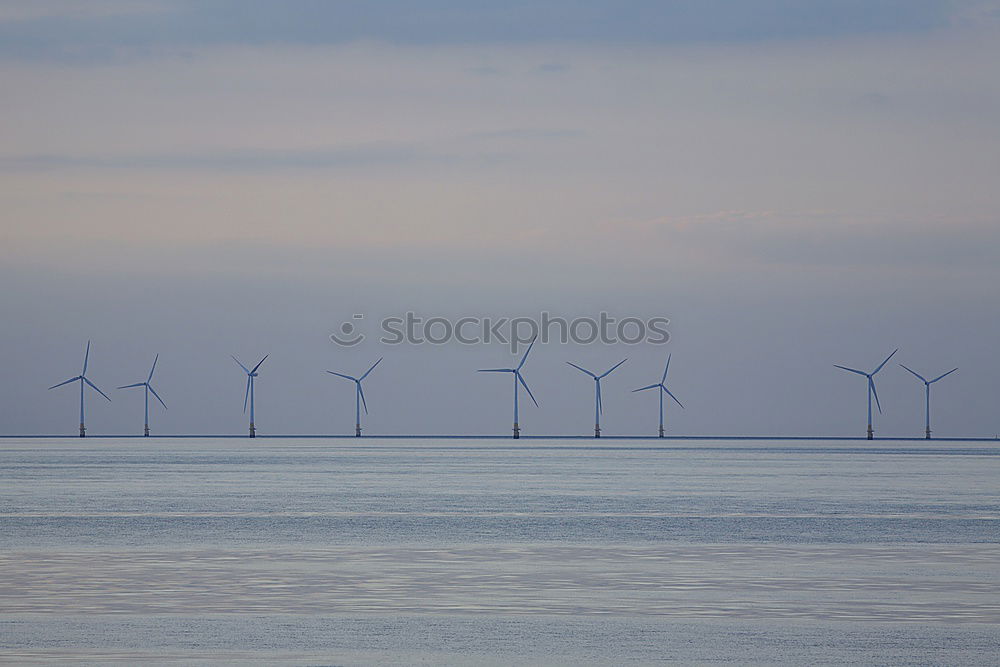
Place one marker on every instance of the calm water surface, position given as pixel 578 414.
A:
pixel 309 551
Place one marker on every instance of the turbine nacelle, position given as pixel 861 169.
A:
pixel 251 373
pixel 147 384
pixel 871 376
pixel 663 388
pixel 82 377
pixel 925 380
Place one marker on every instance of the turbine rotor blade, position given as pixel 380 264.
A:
pixel 527 388
pixel 600 403
pixel 853 370
pixel 341 375
pixel 259 363
pixel 66 382
pixel 672 396
pixel 361 392
pixel 86 358
pixel 871 383
pixel 885 362
pixel 246 396
pixel 94 387
pixel 153 368
pixel 584 370
pixel 922 378
pixel 652 386
pixel 245 369
pixel 158 397
pixel 137 384
pixel 525 357
pixel 665 369
pixel 371 369
pixel 945 375
pixel 495 370
pixel 608 372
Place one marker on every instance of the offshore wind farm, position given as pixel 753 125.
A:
pixel 360 403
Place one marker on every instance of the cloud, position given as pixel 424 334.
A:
pixel 17 11
pixel 103 30
pixel 808 156
pixel 464 150
pixel 976 13
pixel 343 158
pixel 485 70
pixel 806 240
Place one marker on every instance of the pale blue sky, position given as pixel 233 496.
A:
pixel 66 30
pixel 793 184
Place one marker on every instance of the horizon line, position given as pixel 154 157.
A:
pixel 995 438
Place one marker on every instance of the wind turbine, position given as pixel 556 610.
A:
pixel 251 374
pixel 927 387
pixel 359 395
pixel 663 388
pixel 516 372
pixel 871 389
pixel 598 408
pixel 82 377
pixel 148 388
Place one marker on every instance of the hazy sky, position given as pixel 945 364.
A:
pixel 793 184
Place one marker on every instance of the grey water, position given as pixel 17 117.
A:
pixel 465 551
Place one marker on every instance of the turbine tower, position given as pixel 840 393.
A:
pixel 516 372
pixel 598 407
pixel 251 374
pixel 82 378
pixel 147 388
pixel 927 387
pixel 663 389
pixel 871 389
pixel 359 395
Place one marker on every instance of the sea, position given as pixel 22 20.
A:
pixel 440 551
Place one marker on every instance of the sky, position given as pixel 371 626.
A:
pixel 792 184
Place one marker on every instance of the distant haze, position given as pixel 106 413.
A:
pixel 792 184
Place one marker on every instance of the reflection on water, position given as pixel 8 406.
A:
pixel 939 584
pixel 537 551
